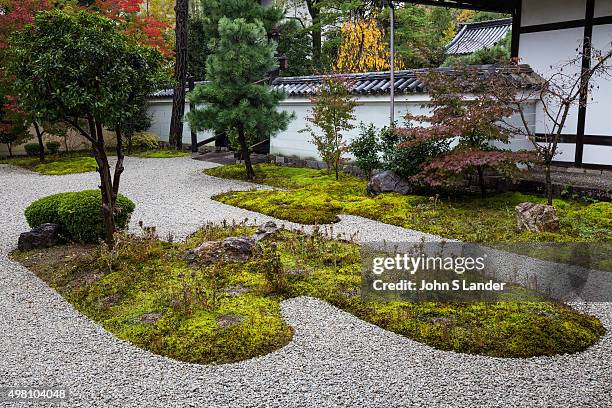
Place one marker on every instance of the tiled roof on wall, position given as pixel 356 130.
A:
pixel 476 36
pixel 370 83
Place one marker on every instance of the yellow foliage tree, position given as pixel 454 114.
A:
pixel 364 48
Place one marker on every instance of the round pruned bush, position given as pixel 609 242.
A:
pixel 53 147
pixel 145 141
pixel 79 214
pixel 32 149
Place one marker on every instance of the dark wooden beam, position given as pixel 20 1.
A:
pixel 584 94
pixel 516 28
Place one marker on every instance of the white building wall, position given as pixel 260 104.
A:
pixel 160 111
pixel 547 51
pixel 372 110
pixel 551 11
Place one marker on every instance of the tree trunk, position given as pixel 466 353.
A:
pixel 130 145
pixel 481 181
pixel 106 186
pixel 246 156
pixel 180 74
pixel 41 145
pixel 549 189
pixel 10 148
pixel 317 36
pixel 118 168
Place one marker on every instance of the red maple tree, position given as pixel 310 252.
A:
pixel 470 118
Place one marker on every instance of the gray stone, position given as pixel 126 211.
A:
pixel 536 218
pixel 149 318
pixel 265 230
pixel 236 290
pixel 43 236
pixel 389 182
pixel 229 320
pixel 232 249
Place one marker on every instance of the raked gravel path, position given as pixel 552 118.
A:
pixel 334 360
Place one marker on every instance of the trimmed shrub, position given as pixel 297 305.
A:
pixel 32 149
pixel 79 214
pixel 145 141
pixel 53 147
pixel 407 161
pixel 366 149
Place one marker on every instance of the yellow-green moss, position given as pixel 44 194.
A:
pixel 145 276
pixel 161 154
pixel 314 197
pixel 56 165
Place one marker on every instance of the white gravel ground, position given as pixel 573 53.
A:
pixel 335 360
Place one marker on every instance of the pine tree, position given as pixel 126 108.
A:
pixel 236 96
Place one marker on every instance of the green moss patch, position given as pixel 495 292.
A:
pixel 314 197
pixel 161 154
pixel 145 292
pixel 56 165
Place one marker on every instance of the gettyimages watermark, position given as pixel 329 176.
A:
pixel 464 272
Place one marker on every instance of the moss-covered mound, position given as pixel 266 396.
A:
pixel 56 164
pixel 315 197
pixel 146 292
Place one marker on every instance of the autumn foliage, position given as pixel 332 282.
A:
pixel 364 48
pixel 470 117
pixel 142 28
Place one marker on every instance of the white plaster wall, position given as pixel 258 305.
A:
pixel 603 8
pixel 552 11
pixel 372 110
pixel 160 111
pixel 546 52
pixel 599 112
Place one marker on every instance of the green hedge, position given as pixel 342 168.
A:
pixel 79 214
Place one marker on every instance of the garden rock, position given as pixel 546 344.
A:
pixel 43 236
pixel 536 218
pixel 269 228
pixel 232 249
pixel 389 182
pixel 229 320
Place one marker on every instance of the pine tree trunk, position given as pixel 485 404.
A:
pixel 246 156
pixel 41 145
pixel 317 35
pixel 180 74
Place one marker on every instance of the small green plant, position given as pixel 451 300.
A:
pixel 366 148
pixel 145 141
pixel 53 147
pixel 407 161
pixel 332 113
pixel 78 214
pixel 32 149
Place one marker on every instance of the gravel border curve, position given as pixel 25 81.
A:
pixel 334 360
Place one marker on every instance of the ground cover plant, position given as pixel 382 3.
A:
pixel 145 291
pixel 161 154
pixel 314 197
pixel 55 165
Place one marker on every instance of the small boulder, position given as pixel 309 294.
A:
pixel 43 236
pixel 536 218
pixel 389 182
pixel 230 249
pixel 229 320
pixel 269 228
